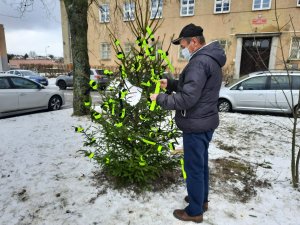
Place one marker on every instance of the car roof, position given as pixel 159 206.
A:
pixel 275 73
pixel 12 76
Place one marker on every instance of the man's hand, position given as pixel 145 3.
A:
pixel 153 97
pixel 163 83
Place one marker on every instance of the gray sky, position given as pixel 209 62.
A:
pixel 38 28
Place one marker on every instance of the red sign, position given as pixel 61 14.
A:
pixel 259 21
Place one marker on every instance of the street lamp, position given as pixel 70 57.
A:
pixel 46 50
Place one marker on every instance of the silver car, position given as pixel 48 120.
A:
pixel 64 81
pixel 21 95
pixel 262 91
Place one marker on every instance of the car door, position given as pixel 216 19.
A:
pixel 8 97
pixel 251 94
pixel 30 94
pixel 280 95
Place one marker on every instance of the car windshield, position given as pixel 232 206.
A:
pixel 234 81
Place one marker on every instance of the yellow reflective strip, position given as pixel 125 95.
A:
pixel 148 84
pixel 157 89
pixel 143 118
pixel 87 104
pixel 123 94
pixel 123 113
pixel 120 55
pixel 91 155
pixel 129 139
pixel 117 42
pixel 107 160
pixel 142 161
pixel 119 124
pixel 159 148
pixel 97 115
pixel 93 84
pixel 148 142
pixel 182 169
pixel 171 146
pixel 79 129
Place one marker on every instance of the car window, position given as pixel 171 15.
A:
pixel 11 72
pixel 4 84
pixel 20 83
pixel 91 72
pixel 18 73
pixel 296 82
pixel 100 72
pixel 255 83
pixel 280 83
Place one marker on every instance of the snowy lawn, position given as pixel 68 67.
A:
pixel 43 180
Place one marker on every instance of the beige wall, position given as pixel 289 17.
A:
pixel 227 26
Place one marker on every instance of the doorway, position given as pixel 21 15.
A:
pixel 255 54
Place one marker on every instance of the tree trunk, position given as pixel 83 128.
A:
pixel 77 16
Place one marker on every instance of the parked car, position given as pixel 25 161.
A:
pixel 20 95
pixel 262 91
pixel 30 75
pixel 64 81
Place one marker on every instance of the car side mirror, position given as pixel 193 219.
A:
pixel 241 88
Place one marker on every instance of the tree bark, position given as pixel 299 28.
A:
pixel 77 16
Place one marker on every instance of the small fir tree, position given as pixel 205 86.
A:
pixel 135 139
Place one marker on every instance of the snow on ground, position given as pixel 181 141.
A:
pixel 43 180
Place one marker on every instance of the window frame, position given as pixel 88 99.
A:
pixel 222 6
pixel 261 5
pixel 106 14
pixel 158 9
pixel 291 49
pixel 187 7
pixel 107 51
pixel 131 12
pixel 298 3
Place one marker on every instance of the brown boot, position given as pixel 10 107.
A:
pixel 205 205
pixel 182 215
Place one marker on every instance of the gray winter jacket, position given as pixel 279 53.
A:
pixel 197 91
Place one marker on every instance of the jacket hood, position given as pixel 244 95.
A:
pixel 215 51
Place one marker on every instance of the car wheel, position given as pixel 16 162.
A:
pixel 62 85
pixel 297 110
pixel 224 105
pixel 55 103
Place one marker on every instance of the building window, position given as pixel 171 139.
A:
pixel 261 4
pixel 156 9
pixel 105 51
pixel 128 49
pixel 298 2
pixel 129 8
pixel 222 6
pixel 295 48
pixel 104 13
pixel 187 7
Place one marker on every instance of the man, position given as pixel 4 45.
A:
pixel 195 102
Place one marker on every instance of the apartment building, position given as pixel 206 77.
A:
pixel 246 29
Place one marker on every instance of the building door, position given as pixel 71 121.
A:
pixel 255 54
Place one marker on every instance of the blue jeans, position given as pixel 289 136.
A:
pixel 196 167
